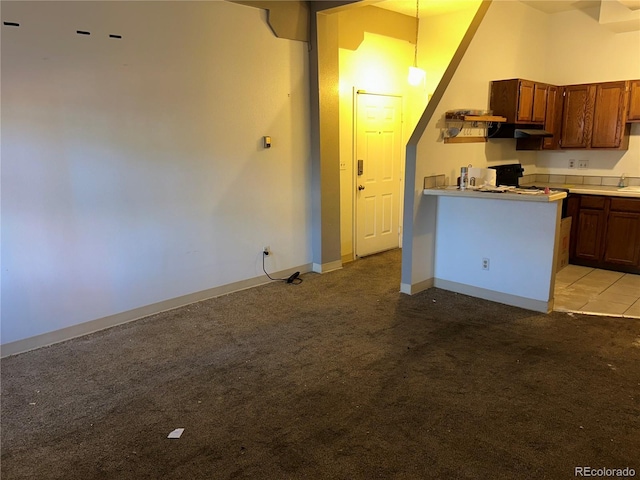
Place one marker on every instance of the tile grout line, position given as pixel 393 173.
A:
pixel 592 270
pixel 597 297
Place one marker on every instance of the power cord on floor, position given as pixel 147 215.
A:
pixel 294 278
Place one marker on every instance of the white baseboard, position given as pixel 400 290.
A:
pixel 24 345
pixel 327 267
pixel 347 258
pixel 413 288
pixel 500 297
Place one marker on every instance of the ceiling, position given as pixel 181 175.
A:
pixel 437 7
pixel 427 7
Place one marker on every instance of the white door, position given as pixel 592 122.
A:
pixel 378 154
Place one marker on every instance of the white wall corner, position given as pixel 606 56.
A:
pixel 413 288
pixel 327 267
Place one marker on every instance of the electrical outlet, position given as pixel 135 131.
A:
pixel 485 264
pixel 572 163
pixel 583 163
pixel 266 250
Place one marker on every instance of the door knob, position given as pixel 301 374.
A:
pixel 360 187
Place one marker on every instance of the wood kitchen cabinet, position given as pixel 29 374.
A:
pixel 539 109
pixel 622 238
pixel 520 101
pixel 605 232
pixel 633 114
pixel 576 116
pixel 590 228
pixel 553 117
pixel 586 116
pixel 609 116
pixel 594 116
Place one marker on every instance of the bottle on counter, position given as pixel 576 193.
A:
pixel 464 178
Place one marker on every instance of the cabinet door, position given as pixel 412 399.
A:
pixel 540 92
pixel 573 210
pixel 526 91
pixel 577 116
pixel 634 101
pixel 589 234
pixel 622 240
pixel 553 117
pixel 608 115
pixel 504 98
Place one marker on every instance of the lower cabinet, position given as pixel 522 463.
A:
pixel 590 227
pixel 622 238
pixel 605 232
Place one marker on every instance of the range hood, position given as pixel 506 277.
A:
pixel 513 130
pixel 531 132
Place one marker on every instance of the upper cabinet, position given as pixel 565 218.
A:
pixel 577 115
pixel 520 101
pixel 540 93
pixel 594 116
pixel 609 116
pixel 588 116
pixel 553 117
pixel 633 114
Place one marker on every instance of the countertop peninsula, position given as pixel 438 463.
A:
pixel 613 191
pixel 513 194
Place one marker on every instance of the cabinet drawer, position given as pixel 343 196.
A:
pixel 592 201
pixel 625 205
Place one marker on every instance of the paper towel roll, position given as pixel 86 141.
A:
pixel 482 176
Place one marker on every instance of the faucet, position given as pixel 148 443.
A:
pixel 621 182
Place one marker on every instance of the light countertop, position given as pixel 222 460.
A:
pixel 632 192
pixel 553 196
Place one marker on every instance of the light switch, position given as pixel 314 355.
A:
pixel 266 142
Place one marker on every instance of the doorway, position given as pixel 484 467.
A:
pixel 378 178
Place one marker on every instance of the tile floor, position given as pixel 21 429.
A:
pixel 600 292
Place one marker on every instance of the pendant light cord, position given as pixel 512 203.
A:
pixel 415 51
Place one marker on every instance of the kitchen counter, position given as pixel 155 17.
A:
pixel 553 196
pixel 500 246
pixel 631 192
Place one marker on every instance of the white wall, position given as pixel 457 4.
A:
pixel 520 54
pixel 563 48
pixel 438 39
pixel 496 52
pixel 379 65
pixel 132 169
pixel 517 238
pixel 518 41
pixel 584 52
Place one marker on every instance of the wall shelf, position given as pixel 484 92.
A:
pixel 464 139
pixel 466 123
pixel 475 118
pixel 484 118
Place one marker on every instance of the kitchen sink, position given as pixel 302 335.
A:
pixel 629 189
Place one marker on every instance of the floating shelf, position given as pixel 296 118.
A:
pixel 484 118
pixel 476 118
pixel 464 139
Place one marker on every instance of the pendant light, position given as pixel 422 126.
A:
pixel 416 75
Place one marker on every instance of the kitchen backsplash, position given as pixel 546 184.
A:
pixel 578 180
